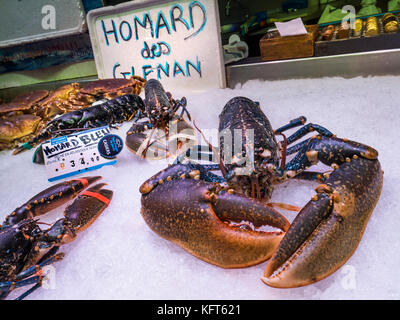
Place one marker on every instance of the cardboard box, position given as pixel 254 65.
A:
pixel 275 47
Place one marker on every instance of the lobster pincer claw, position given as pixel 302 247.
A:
pixel 199 216
pixel 79 215
pixel 87 207
pixel 329 228
pixel 49 199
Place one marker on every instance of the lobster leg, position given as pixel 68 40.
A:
pixel 28 277
pixel 7 286
pixel 179 171
pixel 307 129
pixel 297 147
pixel 181 104
pixel 331 151
pixel 48 254
pixel 311 176
pixel 176 104
pixel 25 278
pixel 298 135
pixel 36 268
pixel 292 124
pixel 196 153
pixel 28 292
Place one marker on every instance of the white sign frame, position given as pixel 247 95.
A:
pixel 177 42
pixel 73 154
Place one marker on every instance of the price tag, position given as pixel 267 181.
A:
pixel 76 153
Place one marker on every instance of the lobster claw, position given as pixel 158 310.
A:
pixel 79 215
pixel 329 228
pixel 49 199
pixel 88 206
pixel 195 215
pixel 143 143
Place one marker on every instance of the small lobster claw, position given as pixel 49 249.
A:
pixel 196 215
pixel 88 206
pixel 49 199
pixel 79 215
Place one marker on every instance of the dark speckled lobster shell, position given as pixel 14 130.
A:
pixel 241 113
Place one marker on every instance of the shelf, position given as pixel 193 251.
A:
pixel 385 62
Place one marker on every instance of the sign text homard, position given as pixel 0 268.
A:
pixel 176 42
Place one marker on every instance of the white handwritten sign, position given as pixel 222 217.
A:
pixel 176 42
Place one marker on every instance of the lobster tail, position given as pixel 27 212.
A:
pixel 45 135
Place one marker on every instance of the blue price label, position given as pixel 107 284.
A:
pixel 110 146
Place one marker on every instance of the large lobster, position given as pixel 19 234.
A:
pixel 222 219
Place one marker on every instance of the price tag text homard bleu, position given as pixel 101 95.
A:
pixel 65 144
pixel 74 154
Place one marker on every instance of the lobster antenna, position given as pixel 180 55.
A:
pixel 221 164
pixel 45 223
pixel 283 161
pixel 71 129
pixel 151 135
